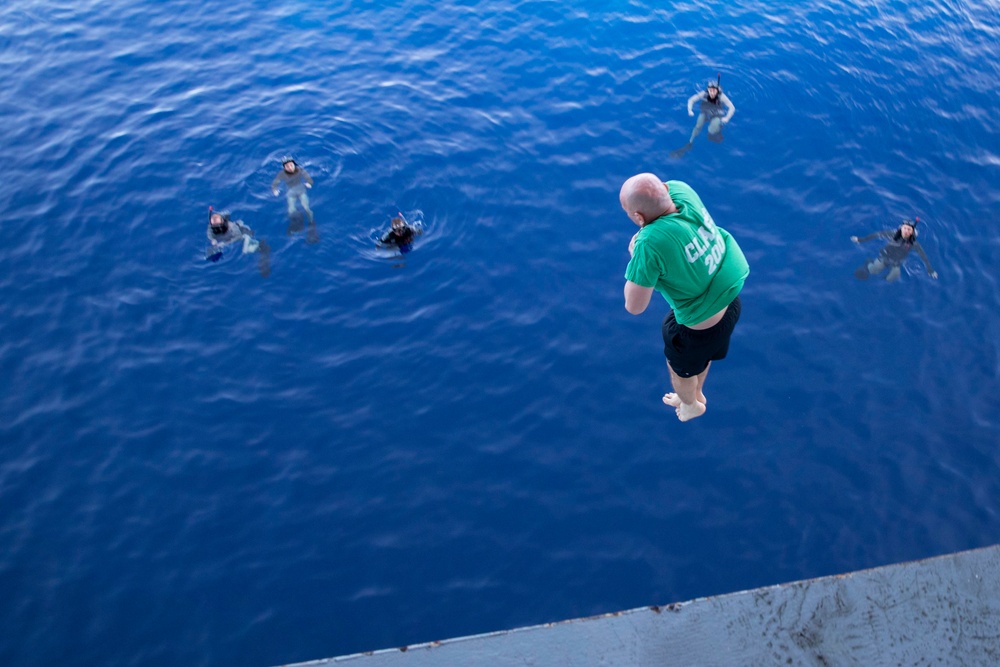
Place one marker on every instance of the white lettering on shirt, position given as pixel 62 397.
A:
pixel 707 243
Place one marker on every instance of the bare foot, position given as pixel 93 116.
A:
pixel 684 411
pixel 687 412
pixel 674 400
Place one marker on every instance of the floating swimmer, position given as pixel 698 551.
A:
pixel 401 235
pixel 715 107
pixel 901 241
pixel 296 180
pixel 223 231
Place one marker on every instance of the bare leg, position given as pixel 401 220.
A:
pixel 697 127
pixel 688 400
pixel 701 384
pixel 893 275
pixel 715 130
pixel 304 200
pixel 295 219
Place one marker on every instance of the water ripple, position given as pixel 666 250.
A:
pixel 200 465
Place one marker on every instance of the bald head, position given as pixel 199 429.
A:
pixel 645 198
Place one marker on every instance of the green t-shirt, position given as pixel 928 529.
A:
pixel 697 267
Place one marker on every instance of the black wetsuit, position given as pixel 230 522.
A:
pixel 296 181
pixel 894 253
pixel 232 231
pixel 399 237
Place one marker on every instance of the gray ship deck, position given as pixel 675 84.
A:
pixel 939 611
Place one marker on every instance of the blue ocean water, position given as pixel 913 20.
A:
pixel 201 466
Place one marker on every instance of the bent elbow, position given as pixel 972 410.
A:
pixel 634 308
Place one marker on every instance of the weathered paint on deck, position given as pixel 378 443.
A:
pixel 939 611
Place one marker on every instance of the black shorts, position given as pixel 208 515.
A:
pixel 688 351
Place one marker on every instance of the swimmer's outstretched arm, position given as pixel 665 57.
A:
pixel 927 262
pixel 885 234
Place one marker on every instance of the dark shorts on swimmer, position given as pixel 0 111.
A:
pixel 712 110
pixel 688 351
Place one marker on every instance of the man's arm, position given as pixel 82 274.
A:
pixel 636 297
pixel 309 180
pixel 729 103
pixel 887 234
pixel 243 229
pixel 274 183
pixel 927 262
pixel 220 243
pixel 691 100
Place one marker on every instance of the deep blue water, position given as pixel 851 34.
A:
pixel 200 466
